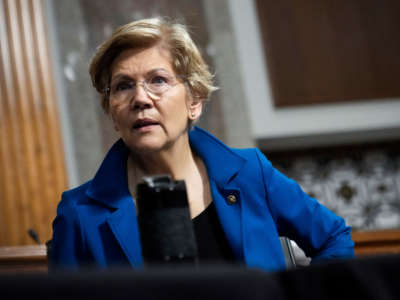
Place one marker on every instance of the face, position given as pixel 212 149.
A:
pixel 148 121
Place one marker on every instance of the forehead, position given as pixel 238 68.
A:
pixel 142 60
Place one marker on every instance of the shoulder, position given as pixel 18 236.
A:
pixel 254 157
pixel 70 199
pixel 68 220
pixel 215 153
pixel 68 239
pixel 256 170
pixel 203 139
pixel 248 153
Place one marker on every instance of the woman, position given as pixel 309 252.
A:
pixel 154 83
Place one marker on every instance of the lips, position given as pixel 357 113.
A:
pixel 141 123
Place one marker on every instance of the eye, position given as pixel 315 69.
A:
pixel 158 80
pixel 124 85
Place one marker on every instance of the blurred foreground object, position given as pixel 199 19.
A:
pixel 373 278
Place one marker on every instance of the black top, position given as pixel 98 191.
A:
pixel 211 240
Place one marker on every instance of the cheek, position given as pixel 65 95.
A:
pixel 180 104
pixel 116 114
pixel 175 114
pixel 114 120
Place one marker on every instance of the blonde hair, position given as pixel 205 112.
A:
pixel 186 58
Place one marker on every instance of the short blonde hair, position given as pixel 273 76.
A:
pixel 186 58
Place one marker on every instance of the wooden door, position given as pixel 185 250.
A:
pixel 32 171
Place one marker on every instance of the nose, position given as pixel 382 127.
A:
pixel 141 99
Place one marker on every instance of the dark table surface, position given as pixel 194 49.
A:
pixel 362 278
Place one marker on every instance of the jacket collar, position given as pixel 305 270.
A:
pixel 110 187
pixel 221 162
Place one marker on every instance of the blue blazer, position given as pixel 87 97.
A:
pixel 96 222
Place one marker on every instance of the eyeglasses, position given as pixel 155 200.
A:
pixel 156 84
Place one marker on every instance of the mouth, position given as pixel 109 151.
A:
pixel 141 124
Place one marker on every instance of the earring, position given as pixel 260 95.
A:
pixel 193 114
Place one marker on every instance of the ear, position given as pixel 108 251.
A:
pixel 195 108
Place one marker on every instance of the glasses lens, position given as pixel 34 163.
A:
pixel 159 83
pixel 155 85
pixel 122 89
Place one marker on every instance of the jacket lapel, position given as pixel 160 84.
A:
pixel 222 166
pixel 110 188
pixel 123 223
pixel 229 216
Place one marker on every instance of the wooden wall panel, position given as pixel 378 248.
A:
pixel 322 51
pixel 32 171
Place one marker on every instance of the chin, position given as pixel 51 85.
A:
pixel 147 149
pixel 146 146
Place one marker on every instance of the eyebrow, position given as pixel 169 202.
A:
pixel 126 76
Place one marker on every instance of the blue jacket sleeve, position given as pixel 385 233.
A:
pixel 318 231
pixel 67 245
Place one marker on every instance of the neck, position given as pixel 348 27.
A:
pixel 177 161
pixel 181 164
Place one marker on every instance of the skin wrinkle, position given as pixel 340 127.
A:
pixel 163 147
pixel 172 118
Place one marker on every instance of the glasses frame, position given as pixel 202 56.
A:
pixel 156 96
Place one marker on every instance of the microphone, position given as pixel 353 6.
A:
pixel 166 229
pixel 34 235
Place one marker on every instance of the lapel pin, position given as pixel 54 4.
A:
pixel 231 199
